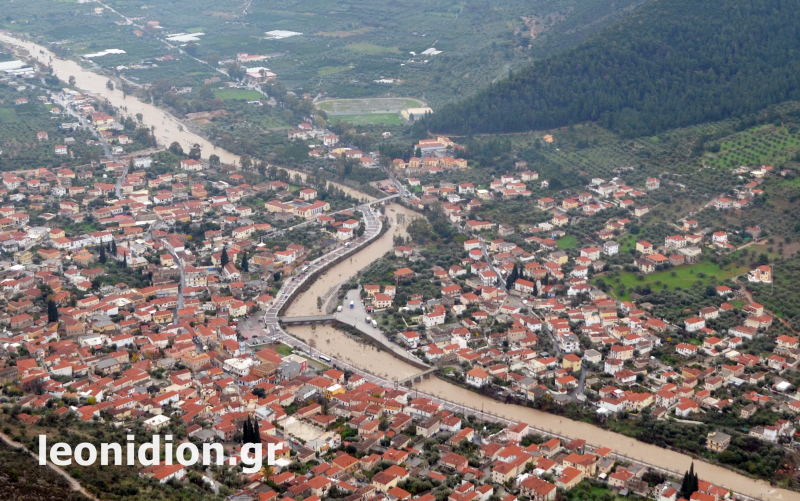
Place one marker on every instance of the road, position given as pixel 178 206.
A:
pixel 553 341
pixel 501 284
pixel 581 384
pixel 162 40
pixel 182 285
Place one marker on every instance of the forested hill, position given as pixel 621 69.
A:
pixel 671 63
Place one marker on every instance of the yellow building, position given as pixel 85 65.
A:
pixel 334 390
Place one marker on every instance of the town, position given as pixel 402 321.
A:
pixel 148 290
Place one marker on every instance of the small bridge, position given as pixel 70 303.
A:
pixel 382 200
pixel 312 319
pixel 416 378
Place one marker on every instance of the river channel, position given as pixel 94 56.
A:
pixel 334 341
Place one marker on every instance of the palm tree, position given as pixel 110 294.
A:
pixel 267 472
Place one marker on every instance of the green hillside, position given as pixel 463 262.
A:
pixel 669 64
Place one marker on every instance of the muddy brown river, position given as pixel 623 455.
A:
pixel 335 342
pixel 379 362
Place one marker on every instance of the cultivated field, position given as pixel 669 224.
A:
pixel 368 105
pixel 369 119
pixel 238 95
pixel 768 144
pixel 680 276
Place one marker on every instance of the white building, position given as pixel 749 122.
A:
pixel 238 366
pixel 694 324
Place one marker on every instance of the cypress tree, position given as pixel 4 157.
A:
pixel 690 484
pixel 114 247
pixel 685 484
pixel 246 431
pixel 102 254
pixel 52 311
pixel 256 432
pixel 512 277
pixel 223 259
pixel 245 266
pixel 125 261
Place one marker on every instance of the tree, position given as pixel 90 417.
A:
pixel 103 254
pixel 213 161
pixel 639 96
pixel 114 247
pixel 512 277
pixel 110 85
pixel 246 162
pixel 245 267
pixel 267 472
pixel 235 71
pixel 71 81
pixel 360 229
pixel 256 431
pixel 139 117
pixel 194 153
pixel 176 148
pixel 223 258
pixel 250 432
pixel 690 483
pixel 247 432
pixel 52 311
pixel 125 261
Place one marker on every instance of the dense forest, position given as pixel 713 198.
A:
pixel 671 63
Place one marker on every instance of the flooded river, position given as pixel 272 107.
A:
pixel 168 129
pixel 306 303
pixel 379 362
pixel 335 342
pixel 365 357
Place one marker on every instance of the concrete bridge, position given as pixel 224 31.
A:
pixel 382 200
pixel 311 319
pixel 416 378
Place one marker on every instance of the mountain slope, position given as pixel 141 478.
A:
pixel 671 63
